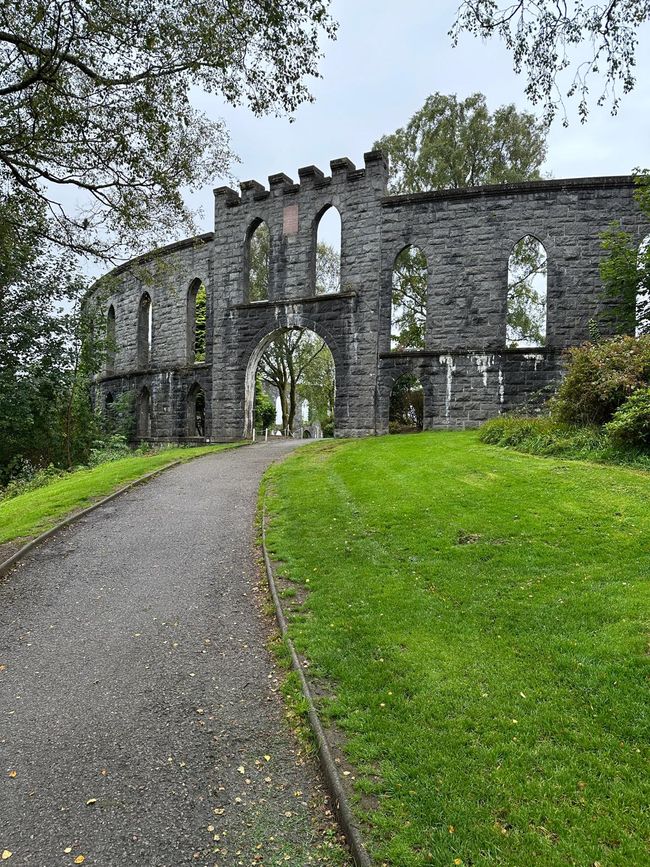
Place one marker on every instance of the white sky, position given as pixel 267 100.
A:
pixel 384 64
pixel 386 60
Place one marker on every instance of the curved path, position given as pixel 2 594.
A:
pixel 139 706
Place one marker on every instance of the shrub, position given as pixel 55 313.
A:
pixel 631 421
pixel 599 378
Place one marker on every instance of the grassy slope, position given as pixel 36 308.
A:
pixel 35 511
pixel 482 616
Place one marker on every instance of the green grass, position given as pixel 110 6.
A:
pixel 481 617
pixel 35 511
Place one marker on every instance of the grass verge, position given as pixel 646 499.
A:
pixel 481 618
pixel 33 512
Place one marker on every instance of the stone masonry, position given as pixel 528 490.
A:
pixel 467 373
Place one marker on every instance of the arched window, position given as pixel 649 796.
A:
pixel 145 330
pixel 406 412
pixel 143 422
pixel 408 320
pixel 196 411
pixel 526 316
pixel 258 257
pixel 110 340
pixel 196 322
pixel 328 252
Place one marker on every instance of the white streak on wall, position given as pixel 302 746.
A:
pixel 483 364
pixel 449 361
pixel 501 387
pixel 534 356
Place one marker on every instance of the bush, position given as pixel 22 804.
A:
pixel 114 448
pixel 600 377
pixel 631 421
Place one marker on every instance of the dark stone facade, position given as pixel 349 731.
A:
pixel 467 235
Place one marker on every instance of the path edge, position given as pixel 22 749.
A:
pixel 10 562
pixel 328 766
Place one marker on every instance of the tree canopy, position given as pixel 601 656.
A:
pixel 548 38
pixel 451 143
pixel 95 96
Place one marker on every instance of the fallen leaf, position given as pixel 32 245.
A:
pixel 91 801
pixel 6 854
pixel 267 758
pixel 80 859
pixel 12 774
pixel 67 850
pixel 241 769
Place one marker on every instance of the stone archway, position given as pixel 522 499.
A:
pixel 262 341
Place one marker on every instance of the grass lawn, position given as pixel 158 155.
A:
pixel 481 617
pixel 35 511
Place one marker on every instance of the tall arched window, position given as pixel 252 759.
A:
pixel 328 252
pixel 110 340
pixel 526 316
pixel 196 322
pixel 145 330
pixel 143 420
pixel 196 411
pixel 408 319
pixel 642 311
pixel 258 257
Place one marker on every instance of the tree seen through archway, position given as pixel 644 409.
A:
pixel 298 365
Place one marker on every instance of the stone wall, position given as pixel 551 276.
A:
pixel 466 371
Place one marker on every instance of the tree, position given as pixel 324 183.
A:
pixel 328 269
pixel 95 96
pixel 409 300
pixel 200 323
pixel 318 388
pixel 406 412
pixel 526 317
pixel 625 272
pixel 449 144
pixel 259 258
pixel 545 38
pixel 284 363
pixel 264 407
pixel 45 413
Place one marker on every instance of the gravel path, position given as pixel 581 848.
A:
pixel 139 706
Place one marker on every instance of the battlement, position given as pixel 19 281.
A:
pixel 342 170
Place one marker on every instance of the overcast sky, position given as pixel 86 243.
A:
pixel 386 60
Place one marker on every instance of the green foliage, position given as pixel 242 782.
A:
pixel 543 36
pixel 406 411
pixel 625 272
pixel 479 618
pixel 200 316
pixel 97 97
pixel 450 143
pixel 543 436
pixel 299 365
pixel 409 300
pixel 599 378
pixel 328 269
pixel 631 421
pixel 264 407
pixel 526 317
pixel 44 361
pixel 259 256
